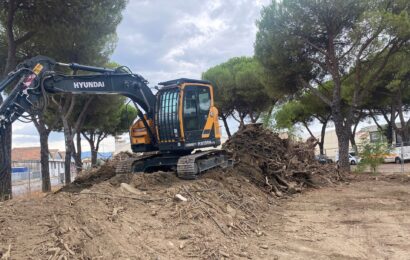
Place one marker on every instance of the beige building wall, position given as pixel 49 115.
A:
pixel 331 146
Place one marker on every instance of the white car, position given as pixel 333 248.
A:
pixel 352 159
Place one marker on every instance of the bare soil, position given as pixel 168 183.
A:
pixel 225 216
pixel 276 203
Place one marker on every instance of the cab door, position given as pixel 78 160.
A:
pixel 196 105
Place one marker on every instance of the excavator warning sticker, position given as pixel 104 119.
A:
pixel 38 68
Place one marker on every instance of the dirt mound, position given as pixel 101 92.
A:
pixel 158 216
pixel 93 176
pixel 278 165
pixel 146 216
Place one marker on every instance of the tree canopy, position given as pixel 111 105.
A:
pixel 239 88
pixel 303 43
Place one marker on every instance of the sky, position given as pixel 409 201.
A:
pixel 164 40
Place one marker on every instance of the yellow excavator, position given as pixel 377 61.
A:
pixel 173 124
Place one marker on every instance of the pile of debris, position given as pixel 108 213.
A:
pixel 278 165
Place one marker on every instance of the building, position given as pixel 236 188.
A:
pixel 371 133
pixel 122 144
pixel 101 158
pixel 29 157
pixel 330 146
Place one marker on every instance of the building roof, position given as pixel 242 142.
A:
pixel 33 154
pixel 25 154
pixel 55 154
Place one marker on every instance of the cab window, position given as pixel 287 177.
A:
pixel 190 110
pixel 197 102
pixel 204 101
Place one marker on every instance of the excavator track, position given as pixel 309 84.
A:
pixel 188 167
pixel 126 165
pixel 191 166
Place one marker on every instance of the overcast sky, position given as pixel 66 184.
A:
pixel 163 40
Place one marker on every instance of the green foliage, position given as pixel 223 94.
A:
pixel 108 114
pixel 372 153
pixel 70 31
pixel 291 113
pixel 297 38
pixel 303 109
pixel 239 87
pixel 88 37
pixel 302 44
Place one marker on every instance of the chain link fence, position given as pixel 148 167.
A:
pixel 27 179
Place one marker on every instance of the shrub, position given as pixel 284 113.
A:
pixel 372 153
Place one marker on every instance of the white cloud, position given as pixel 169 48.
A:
pixel 184 38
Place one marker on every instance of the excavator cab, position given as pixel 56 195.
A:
pixel 185 119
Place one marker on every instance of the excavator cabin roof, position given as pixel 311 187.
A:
pixel 183 80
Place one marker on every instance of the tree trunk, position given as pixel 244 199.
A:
pixel 77 130
pixel 94 140
pixel 343 127
pixel 343 134
pixel 254 117
pixel 44 160
pixel 11 61
pixel 5 166
pixel 224 120
pixel 65 112
pixel 5 138
pixel 94 157
pixel 321 149
pixel 67 164
pixel 241 120
pixel 353 143
pixel 44 152
pixel 389 131
pixel 404 127
pixel 322 137
pixel 68 150
pixel 77 157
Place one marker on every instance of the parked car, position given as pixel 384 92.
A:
pixel 323 159
pixel 352 159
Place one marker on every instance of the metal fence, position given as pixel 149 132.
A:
pixel 26 177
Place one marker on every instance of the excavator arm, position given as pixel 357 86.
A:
pixel 36 78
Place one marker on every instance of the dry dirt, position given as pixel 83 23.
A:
pixel 276 203
pixel 226 215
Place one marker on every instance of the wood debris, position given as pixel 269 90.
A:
pixel 280 166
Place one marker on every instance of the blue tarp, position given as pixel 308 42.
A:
pixel 19 169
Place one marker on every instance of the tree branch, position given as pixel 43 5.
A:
pixel 67 112
pixel 316 92
pixel 314 46
pixel 371 114
pixel 25 37
pixel 84 111
pixel 307 128
pixel 86 137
